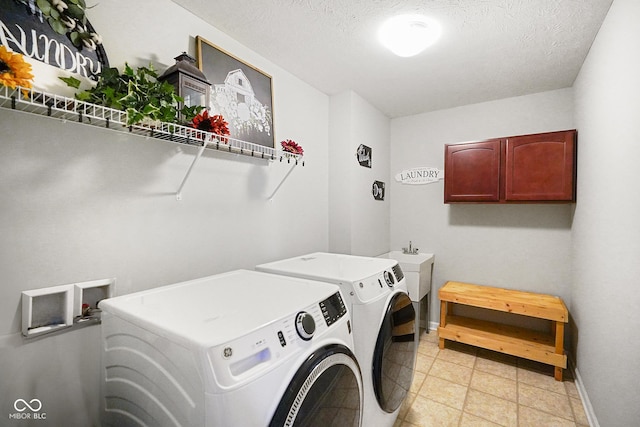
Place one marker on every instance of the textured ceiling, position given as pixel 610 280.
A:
pixel 489 49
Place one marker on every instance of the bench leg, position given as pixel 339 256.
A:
pixel 559 335
pixel 443 320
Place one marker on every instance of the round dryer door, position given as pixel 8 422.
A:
pixel 326 391
pixel 395 353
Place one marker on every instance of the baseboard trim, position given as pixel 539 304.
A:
pixel 586 403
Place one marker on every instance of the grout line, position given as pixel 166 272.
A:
pixel 573 413
pixel 517 394
pixel 466 394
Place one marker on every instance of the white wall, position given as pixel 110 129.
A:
pixel 358 224
pixel 524 247
pixel 82 203
pixel 341 169
pixel 606 232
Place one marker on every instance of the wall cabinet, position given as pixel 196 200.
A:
pixel 519 169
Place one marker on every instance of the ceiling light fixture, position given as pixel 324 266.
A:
pixel 408 35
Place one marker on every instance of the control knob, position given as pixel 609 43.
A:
pixel 305 325
pixel 388 277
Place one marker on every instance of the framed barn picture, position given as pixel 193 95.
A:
pixel 240 92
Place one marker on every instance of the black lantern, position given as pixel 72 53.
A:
pixel 191 84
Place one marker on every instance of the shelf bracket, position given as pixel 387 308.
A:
pixel 193 164
pixel 270 198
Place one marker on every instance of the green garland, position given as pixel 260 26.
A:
pixel 69 17
pixel 138 92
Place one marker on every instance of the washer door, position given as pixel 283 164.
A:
pixel 395 353
pixel 326 391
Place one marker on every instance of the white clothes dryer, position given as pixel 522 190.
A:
pixel 238 349
pixel 384 323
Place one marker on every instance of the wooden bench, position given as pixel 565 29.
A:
pixel 521 342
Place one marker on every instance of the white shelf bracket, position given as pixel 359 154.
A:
pixel 186 177
pixel 270 198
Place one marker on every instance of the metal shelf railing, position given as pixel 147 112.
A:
pixel 70 109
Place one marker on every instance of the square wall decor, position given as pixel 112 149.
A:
pixel 240 92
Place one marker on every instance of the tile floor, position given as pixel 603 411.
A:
pixel 465 386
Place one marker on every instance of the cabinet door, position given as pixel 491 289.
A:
pixel 472 172
pixel 540 167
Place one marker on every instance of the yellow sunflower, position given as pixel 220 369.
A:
pixel 14 71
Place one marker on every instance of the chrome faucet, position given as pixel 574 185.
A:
pixel 410 250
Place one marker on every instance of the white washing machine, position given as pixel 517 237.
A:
pixel 384 323
pixel 242 348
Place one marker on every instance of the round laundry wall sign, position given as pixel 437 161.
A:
pixel 42 35
pixel 420 175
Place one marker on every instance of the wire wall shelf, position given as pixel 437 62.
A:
pixel 70 109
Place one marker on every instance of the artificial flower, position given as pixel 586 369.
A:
pixel 89 44
pixel 97 38
pixel 14 71
pixel 70 23
pixel 60 5
pixel 214 124
pixel 291 146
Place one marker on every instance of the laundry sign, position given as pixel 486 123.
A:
pixel 25 29
pixel 420 175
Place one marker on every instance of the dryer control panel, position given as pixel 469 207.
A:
pixel 398 272
pixel 374 287
pixel 333 308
